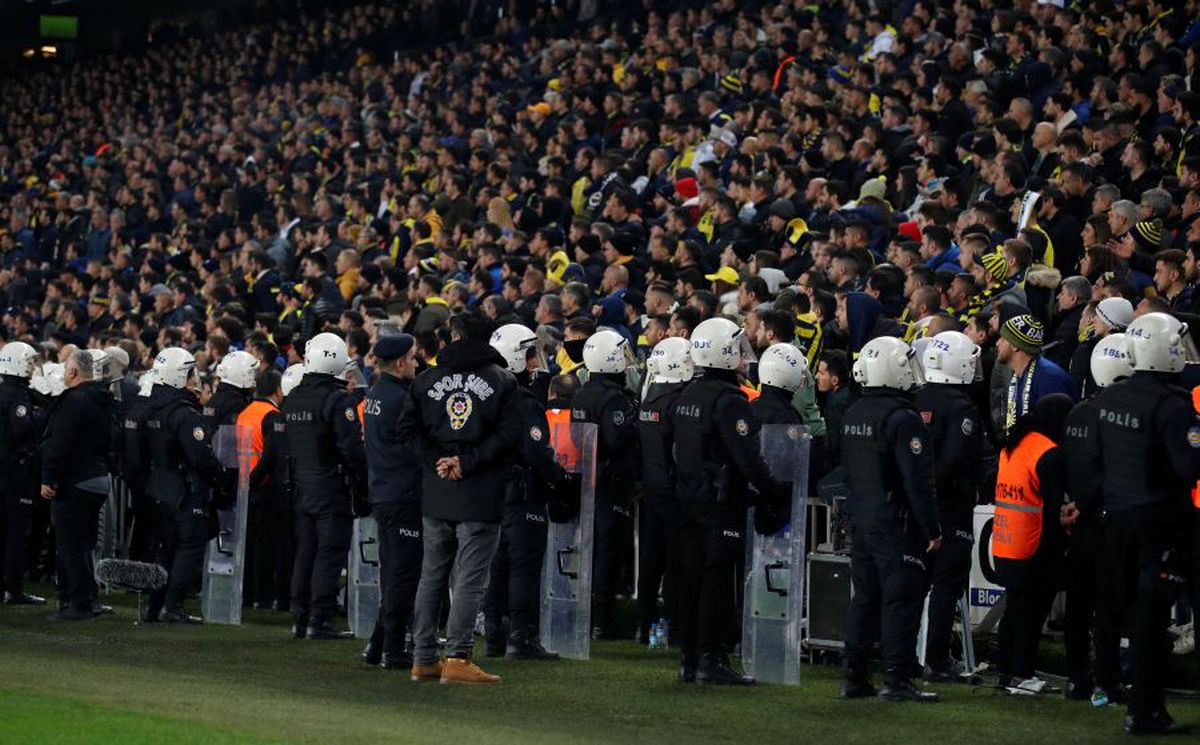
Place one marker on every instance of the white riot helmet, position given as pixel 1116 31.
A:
pixel 720 344
pixel 291 378
pixel 886 362
pixel 1110 360
pixel 146 383
pixel 174 366
pixel 606 351
pixel 120 361
pixel 1156 343
pixel 671 361
pixel 17 358
pixel 238 369
pixel 326 354
pixel 514 342
pixel 101 365
pixel 49 382
pixel 950 357
pixel 782 366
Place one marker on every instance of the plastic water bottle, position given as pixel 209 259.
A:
pixel 653 636
pixel 663 639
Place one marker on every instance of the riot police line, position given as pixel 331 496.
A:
pixel 724 492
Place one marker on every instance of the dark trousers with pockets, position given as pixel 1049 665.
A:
pixel 658 557
pixel 1090 618
pixel 888 573
pixel 401 547
pixel 76 515
pixel 708 556
pixel 515 579
pixel 16 525
pixel 1029 589
pixel 322 545
pixel 269 553
pixel 611 530
pixel 949 568
pixel 183 535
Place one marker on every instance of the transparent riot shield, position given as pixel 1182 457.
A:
pixel 225 557
pixel 774 600
pixel 566 612
pixel 362 579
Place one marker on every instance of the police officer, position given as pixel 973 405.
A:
pixel 22 419
pixel 75 475
pixel 394 483
pixel 135 470
pixel 516 570
pixel 604 401
pixel 182 471
pixel 716 444
pixel 950 360
pixel 887 454
pixel 781 374
pixel 668 369
pixel 268 484
pixel 236 373
pixel 1089 603
pixel 325 441
pixel 1149 439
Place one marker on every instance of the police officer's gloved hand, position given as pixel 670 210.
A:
pixel 772 511
pixel 563 502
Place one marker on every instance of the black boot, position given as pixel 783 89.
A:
pixel 525 645
pixel 687 669
pixel 299 626
pixel 899 688
pixel 176 614
pixel 1159 723
pixel 856 686
pixel 22 598
pixel 396 661
pixel 324 631
pixel 372 654
pixel 715 669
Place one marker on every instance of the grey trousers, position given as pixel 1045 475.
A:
pixel 465 571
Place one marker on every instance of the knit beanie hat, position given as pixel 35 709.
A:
pixel 1023 332
pixel 995 265
pixel 1148 234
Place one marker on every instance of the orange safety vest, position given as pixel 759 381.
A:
pixel 1196 406
pixel 362 418
pixel 560 438
pixel 252 416
pixel 1017 528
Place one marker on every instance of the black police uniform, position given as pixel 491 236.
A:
pixel 222 409
pixel 75 463
pixel 956 427
pixel 774 406
pixel 887 454
pixel 135 470
pixel 604 401
pixel 394 481
pixel 271 530
pixel 514 587
pixel 22 420
pixel 182 472
pixel 1089 606
pixel 1149 446
pixel 660 515
pixel 716 443
pixel 325 441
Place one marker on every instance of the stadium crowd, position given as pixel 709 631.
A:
pixel 1027 173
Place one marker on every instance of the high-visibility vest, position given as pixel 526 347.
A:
pixel 565 450
pixel 252 416
pixel 1196 406
pixel 1017 528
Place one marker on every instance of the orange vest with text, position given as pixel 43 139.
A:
pixel 560 438
pixel 1017 528
pixel 252 416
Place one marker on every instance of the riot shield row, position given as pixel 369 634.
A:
pixel 225 555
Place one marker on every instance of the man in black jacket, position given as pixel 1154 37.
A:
pixel 394 485
pixel 182 471
pixel 604 401
pixel 330 466
pixel 461 417
pixel 22 419
pixel 75 475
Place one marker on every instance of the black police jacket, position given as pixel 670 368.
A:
pixel 604 401
pixel 1149 442
pixel 774 406
pixel 76 446
pixel 224 406
pixel 1081 457
pixel 393 468
pixel 22 421
pixel 654 429
pixel 887 454
pixel 537 474
pixel 178 449
pixel 718 451
pixel 465 408
pixel 325 442
pixel 135 468
pixel 956 427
